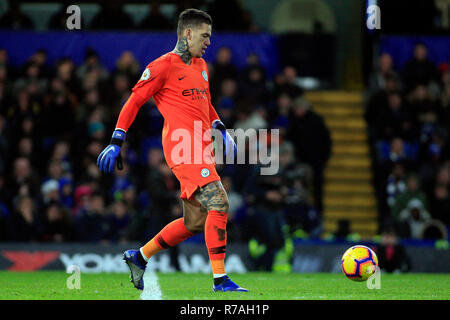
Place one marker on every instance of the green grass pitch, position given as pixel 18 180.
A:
pixel 50 285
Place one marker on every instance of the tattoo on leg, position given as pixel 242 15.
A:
pixel 182 49
pixel 213 197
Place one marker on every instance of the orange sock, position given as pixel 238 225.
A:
pixel 171 235
pixel 216 240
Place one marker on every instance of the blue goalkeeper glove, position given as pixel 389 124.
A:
pixel 228 142
pixel 108 157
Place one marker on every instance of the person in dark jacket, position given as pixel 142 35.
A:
pixel 91 223
pixel 419 70
pixel 392 256
pixel 24 224
pixel 312 141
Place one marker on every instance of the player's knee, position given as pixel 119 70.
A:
pixel 219 204
pixel 194 225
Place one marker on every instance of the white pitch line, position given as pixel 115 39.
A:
pixel 151 291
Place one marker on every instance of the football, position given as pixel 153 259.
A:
pixel 359 263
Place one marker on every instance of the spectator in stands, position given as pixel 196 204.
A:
pixel 155 20
pixel 395 183
pixel 254 85
pixel 392 256
pixel 414 218
pixel 58 224
pixel 39 58
pixel 378 102
pixel 25 149
pixel 226 101
pixel 247 118
pixel 87 158
pixel 128 65
pixel 88 105
pixel 286 82
pixel 122 180
pixel 91 222
pixel 17 112
pixel 61 154
pixel 32 76
pixel 14 19
pixel 119 221
pixel 440 204
pixel 23 180
pixel 58 115
pixel 7 75
pixel 24 224
pixel 93 65
pixel 122 87
pixel 280 114
pixel 65 78
pixel 253 62
pixel 112 17
pixel 50 192
pixel 419 70
pixel 223 69
pixel 312 141
pixel 396 121
pixel 383 70
pixel 66 193
pixel 412 191
pixel 81 195
pixel 422 105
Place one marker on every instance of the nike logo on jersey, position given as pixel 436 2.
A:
pixel 181 78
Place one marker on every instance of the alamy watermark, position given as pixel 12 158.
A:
pixel 73 282
pixel 374 281
pixel 253 147
pixel 73 22
pixel 373 20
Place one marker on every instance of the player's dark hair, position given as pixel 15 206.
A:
pixel 192 18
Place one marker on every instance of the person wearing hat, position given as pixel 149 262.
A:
pixel 415 217
pixel 50 191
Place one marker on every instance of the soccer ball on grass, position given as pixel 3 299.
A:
pixel 359 263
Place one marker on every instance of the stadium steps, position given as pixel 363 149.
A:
pixel 348 189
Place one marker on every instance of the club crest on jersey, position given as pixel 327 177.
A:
pixel 204 173
pixel 205 75
pixel 145 74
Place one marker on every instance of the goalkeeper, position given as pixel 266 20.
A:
pixel 178 82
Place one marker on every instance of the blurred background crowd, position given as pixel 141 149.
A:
pixel 408 116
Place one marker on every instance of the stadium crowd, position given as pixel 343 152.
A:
pixel 408 114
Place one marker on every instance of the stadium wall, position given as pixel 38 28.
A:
pixel 192 258
pixel 145 46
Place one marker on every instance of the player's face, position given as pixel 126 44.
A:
pixel 200 40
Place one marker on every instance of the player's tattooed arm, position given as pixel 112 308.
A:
pixel 182 49
pixel 213 196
